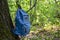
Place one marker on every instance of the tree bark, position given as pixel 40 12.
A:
pixel 5 22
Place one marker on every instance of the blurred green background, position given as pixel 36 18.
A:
pixel 44 18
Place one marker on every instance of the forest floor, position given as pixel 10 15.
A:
pixel 45 34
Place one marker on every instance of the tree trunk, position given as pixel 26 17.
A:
pixel 5 22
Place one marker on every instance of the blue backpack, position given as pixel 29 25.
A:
pixel 22 23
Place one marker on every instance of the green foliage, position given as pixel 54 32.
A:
pixel 44 15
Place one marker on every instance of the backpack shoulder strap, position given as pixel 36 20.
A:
pixel 19 6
